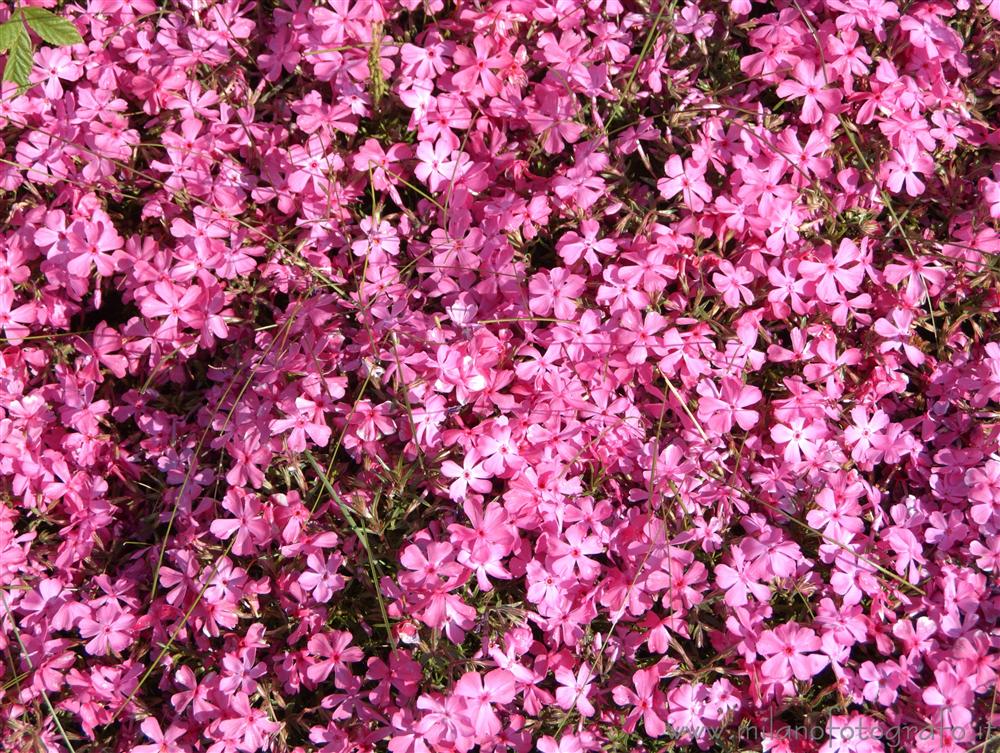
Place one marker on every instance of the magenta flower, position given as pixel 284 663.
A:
pixel 739 580
pixel 323 578
pixel 574 689
pixel 14 321
pixel 480 693
pixel 306 421
pixel 476 68
pixel 163 742
pixel 720 409
pixel 470 475
pixel 331 654
pixel 688 180
pixel 92 245
pixel 810 85
pixel 571 555
pixel 791 649
pixel 109 630
pixel 905 164
pixel 647 702
pixel 799 437
pixel 247 524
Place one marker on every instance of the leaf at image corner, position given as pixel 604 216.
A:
pixel 19 61
pixel 50 27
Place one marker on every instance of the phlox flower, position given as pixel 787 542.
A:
pixel 574 689
pixel 248 527
pixel 306 421
pixel 571 555
pixel 330 654
pixel 905 164
pixel 565 744
pixel 799 437
pixel 647 701
pixel 650 407
pixel 480 693
pixel 740 580
pixel 686 178
pixel 720 409
pixel 322 578
pixel 476 75
pixel 89 246
pixel 836 274
pixel 791 649
pixel 109 630
pixel 14 320
pixel 163 742
pixel 470 475
pixel 984 490
pixel 810 85
pixel 733 282
pixel 573 246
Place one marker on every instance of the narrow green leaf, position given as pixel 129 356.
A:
pixel 9 33
pixel 50 27
pixel 19 61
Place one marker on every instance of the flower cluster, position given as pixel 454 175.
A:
pixel 432 377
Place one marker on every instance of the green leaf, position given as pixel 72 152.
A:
pixel 50 27
pixel 19 61
pixel 9 33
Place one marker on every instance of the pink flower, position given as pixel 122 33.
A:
pixel 571 556
pixel 552 118
pixel 480 693
pixel 790 649
pixel 864 433
pixel 800 437
pixel 554 292
pixel 687 179
pixel 331 653
pixel 991 188
pixel 109 630
pixel 733 283
pixel 574 689
pixel 53 65
pixel 740 579
pixel 810 85
pixel 649 407
pixel 470 475
pixel 905 163
pixel 837 516
pixel 167 301
pixel 436 166
pixel 565 744
pixel 14 320
pixel 647 701
pixel 323 578
pixel 984 490
pixel 89 244
pixel 307 420
pixel 835 275
pixel 476 68
pixel 853 733
pixel 163 742
pixel 640 334
pixel 572 246
pixel 720 409
pixel 438 562
pixel 249 727
pixel 248 524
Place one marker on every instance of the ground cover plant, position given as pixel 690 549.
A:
pixel 556 375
